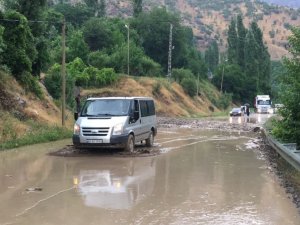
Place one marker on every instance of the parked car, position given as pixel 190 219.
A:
pixel 236 112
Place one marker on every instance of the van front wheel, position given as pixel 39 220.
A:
pixel 129 146
pixel 150 140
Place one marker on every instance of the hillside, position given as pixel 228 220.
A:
pixel 22 113
pixel 210 19
pixel 170 98
pixel 288 3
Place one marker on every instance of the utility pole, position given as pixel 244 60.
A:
pixel 170 53
pixel 198 86
pixel 222 80
pixel 63 72
pixel 127 26
pixel 223 75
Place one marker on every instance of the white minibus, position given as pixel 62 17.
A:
pixel 115 121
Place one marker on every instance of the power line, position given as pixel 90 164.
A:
pixel 32 21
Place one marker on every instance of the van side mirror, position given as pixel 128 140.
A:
pixel 134 116
pixel 75 116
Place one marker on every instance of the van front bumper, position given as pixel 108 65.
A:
pixel 116 140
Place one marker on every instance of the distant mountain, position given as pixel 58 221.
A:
pixel 288 3
pixel 210 19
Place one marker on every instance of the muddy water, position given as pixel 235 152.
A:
pixel 201 177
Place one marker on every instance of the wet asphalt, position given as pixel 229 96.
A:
pixel 199 172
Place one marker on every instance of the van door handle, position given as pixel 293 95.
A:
pixel 140 121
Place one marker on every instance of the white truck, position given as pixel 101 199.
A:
pixel 263 104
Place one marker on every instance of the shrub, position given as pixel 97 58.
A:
pixel 99 59
pixel 31 84
pixel 189 86
pixel 150 67
pixel 224 101
pixel 272 33
pixel 91 73
pixel 53 84
pixel 287 26
pixel 109 76
pixel 53 81
pixel 179 74
pixel 156 89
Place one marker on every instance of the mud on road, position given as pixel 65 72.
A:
pixel 275 164
pixel 162 122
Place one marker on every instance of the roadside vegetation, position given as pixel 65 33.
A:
pixel 36 132
pixel 287 128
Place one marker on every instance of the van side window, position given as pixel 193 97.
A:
pixel 144 108
pixel 151 107
pixel 147 108
pixel 136 105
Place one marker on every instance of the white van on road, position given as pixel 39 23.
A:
pixel 115 121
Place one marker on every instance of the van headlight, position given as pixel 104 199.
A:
pixel 118 129
pixel 76 129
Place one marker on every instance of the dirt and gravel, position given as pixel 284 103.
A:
pixel 288 176
pixel 208 123
pixel 162 122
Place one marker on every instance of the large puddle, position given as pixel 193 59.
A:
pixel 200 177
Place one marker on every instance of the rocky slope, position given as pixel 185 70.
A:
pixel 210 19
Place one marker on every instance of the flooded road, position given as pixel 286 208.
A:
pixel 200 177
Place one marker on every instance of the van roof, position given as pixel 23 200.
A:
pixel 99 98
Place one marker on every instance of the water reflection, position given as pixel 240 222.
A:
pixel 253 118
pixel 118 190
pixel 261 118
pixel 237 119
pixel 206 177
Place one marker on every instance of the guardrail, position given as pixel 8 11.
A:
pixel 288 151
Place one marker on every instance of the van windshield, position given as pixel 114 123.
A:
pixel 106 107
pixel 263 102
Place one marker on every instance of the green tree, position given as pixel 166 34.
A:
pixel 179 74
pixel 277 71
pixel 53 84
pixel 232 43
pixel 53 81
pixel 241 33
pixel 189 85
pixel 102 8
pixel 99 7
pixel 186 79
pixel 20 51
pixel 195 62
pixel 34 11
pixel 154 28
pixel 288 129
pixel 75 70
pixel 212 56
pixel 137 7
pixel 263 57
pixel 99 59
pixel 75 14
pixel 251 66
pixel 77 47
pixel 102 34
pixel 2 44
pixel 233 81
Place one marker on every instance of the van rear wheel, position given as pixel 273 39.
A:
pixel 129 146
pixel 150 140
